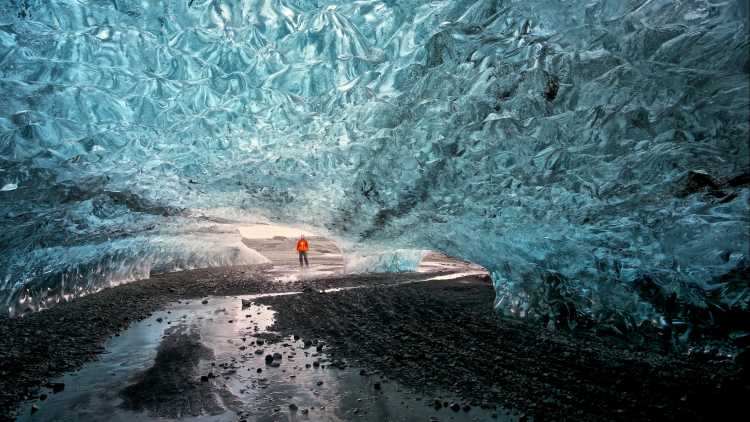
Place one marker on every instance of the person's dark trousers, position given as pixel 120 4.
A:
pixel 301 256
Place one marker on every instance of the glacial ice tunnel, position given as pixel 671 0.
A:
pixel 591 154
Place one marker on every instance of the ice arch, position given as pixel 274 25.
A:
pixel 580 150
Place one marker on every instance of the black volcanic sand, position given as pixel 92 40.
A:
pixel 444 335
pixel 431 336
pixel 45 344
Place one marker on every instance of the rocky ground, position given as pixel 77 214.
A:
pixel 444 335
pixel 431 336
pixel 44 344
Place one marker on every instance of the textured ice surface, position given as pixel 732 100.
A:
pixel 59 273
pixel 399 260
pixel 574 148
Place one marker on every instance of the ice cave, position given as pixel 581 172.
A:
pixel 591 155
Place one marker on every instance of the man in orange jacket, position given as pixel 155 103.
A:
pixel 302 248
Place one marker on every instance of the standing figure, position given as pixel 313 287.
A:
pixel 302 248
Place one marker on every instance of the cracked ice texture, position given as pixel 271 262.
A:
pixel 571 147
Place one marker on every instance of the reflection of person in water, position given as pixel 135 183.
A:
pixel 302 248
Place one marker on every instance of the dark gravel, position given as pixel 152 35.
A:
pixel 45 344
pixel 443 335
pixel 436 336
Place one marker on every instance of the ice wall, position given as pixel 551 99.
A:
pixel 49 275
pixel 588 152
pixel 394 261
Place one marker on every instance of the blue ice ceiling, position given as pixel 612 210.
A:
pixel 574 148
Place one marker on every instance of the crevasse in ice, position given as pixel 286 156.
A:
pixel 586 152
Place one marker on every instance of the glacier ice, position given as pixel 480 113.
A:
pixel 391 261
pixel 586 152
pixel 49 275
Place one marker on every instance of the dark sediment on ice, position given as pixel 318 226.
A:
pixel 48 343
pixel 444 335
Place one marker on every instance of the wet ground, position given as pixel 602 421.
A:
pixel 219 361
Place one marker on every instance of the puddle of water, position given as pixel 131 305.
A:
pixel 263 393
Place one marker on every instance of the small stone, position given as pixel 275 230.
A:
pixel 205 301
pixel 159 320
pixel 437 404
pixel 455 407
pixel 57 387
pixel 42 397
pixel 293 407
pixel 319 383
pixel 277 356
pixel 466 408
pixel 316 363
pixel 377 386
pixel 259 370
pixel 269 359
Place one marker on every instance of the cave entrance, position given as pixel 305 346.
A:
pixel 278 244
pixel 328 256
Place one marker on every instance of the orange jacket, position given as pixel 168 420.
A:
pixel 302 245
